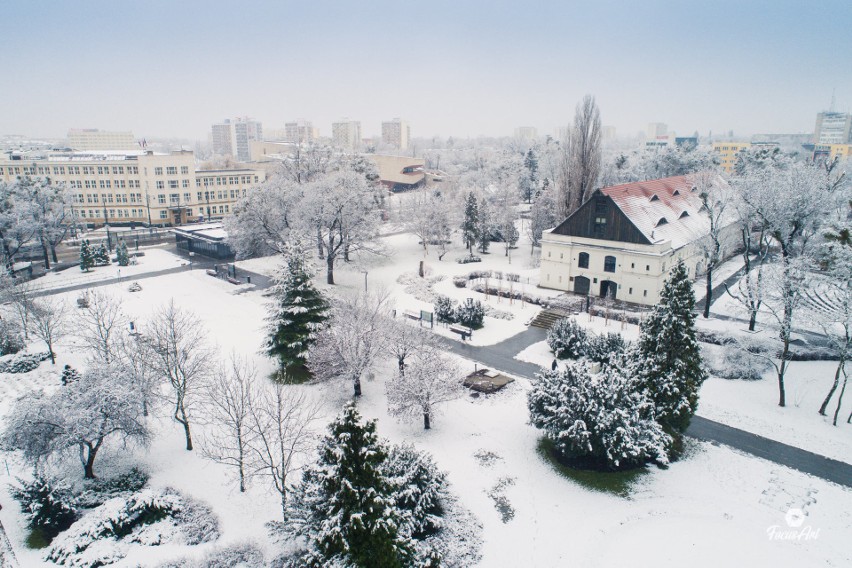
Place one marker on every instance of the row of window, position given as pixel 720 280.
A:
pixel 609 262
pixel 225 180
pixel 174 198
pixel 173 184
pixel 72 170
pixel 141 213
pixel 105 170
pixel 171 170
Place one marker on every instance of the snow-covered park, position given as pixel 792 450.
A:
pixel 715 506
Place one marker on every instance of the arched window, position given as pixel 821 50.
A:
pixel 583 261
pixel 609 264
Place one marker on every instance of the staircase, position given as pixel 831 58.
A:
pixel 546 318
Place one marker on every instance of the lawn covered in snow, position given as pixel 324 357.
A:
pixel 715 507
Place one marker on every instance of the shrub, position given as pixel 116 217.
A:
pixel 22 362
pixel 69 375
pixel 567 339
pixel 601 348
pixel 96 492
pixel 444 309
pixel 11 340
pixel 48 506
pixel 468 259
pixel 735 363
pixel 597 421
pixel 470 314
pixel 460 281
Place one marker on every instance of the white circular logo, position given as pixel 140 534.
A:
pixel 795 518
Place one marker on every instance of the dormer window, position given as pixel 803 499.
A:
pixel 684 214
pixel 676 192
pixel 654 198
pixel 662 221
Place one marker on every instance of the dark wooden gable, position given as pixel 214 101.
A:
pixel 584 222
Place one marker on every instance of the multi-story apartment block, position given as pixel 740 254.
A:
pixel 729 152
pixel 346 134
pixel 656 130
pixel 300 131
pixel 396 133
pixel 92 139
pixel 233 137
pixel 833 128
pixel 528 133
pixel 136 187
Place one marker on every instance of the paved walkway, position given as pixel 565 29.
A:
pixel 500 357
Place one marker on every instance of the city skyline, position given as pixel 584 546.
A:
pixel 172 70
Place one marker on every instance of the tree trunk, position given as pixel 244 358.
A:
pixel 242 465
pixel 189 436
pixel 426 425
pixel 752 320
pixel 320 248
pixel 824 404
pixel 840 399
pixel 709 299
pixel 44 254
pixel 53 253
pixel 329 262
pixel 357 386
pixel 183 419
pixel 782 399
pixel 52 354
pixel 89 466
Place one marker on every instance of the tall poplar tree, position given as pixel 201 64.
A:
pixel 470 225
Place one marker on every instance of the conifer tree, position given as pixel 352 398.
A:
pixel 470 231
pixel 87 257
pixel 345 504
pixel 667 360
pixel 121 254
pixel 102 255
pixel 298 313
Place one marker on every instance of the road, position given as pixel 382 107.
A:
pixel 501 357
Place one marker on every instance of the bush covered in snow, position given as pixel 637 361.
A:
pixel 22 362
pixel 597 421
pixel 96 492
pixel 242 555
pixel 460 281
pixel 445 309
pixel 735 362
pixel 49 506
pixel 419 489
pixel 602 348
pixel 11 340
pixel 468 259
pixel 470 314
pixel 567 339
pixel 147 517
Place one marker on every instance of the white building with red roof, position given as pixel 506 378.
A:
pixel 622 242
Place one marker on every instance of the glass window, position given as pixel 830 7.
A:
pixel 609 264
pixel 583 261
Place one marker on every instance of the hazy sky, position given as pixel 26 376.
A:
pixel 462 68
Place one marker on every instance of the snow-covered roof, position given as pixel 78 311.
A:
pixel 667 209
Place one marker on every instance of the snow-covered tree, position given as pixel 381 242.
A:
pixel 181 357
pixel 262 220
pixel 280 434
pixel 344 506
pixel 597 420
pixel 78 418
pixel 69 375
pixel 470 224
pixel 48 504
pixel 227 412
pixel 297 313
pixel 716 201
pixel 352 341
pixel 667 363
pixel 542 214
pixel 445 309
pixel 530 179
pixel 419 489
pixel 431 379
pixel 135 356
pixel 403 340
pixel 17 228
pixel 48 322
pixel 484 225
pixel 470 313
pixel 429 216
pixel 567 339
pixel 121 254
pixel 102 322
pixel 583 156
pixel 87 256
pixel 101 255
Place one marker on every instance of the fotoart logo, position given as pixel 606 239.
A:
pixel 796 528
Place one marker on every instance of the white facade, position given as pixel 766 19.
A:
pixel 233 137
pixel 833 128
pixel 346 134
pixel 396 133
pixel 92 139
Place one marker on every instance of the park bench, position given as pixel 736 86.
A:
pixel 465 332
pixel 411 314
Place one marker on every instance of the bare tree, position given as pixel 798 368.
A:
pixel 584 154
pixel 47 322
pixel 716 201
pixel 227 408
pixel 432 379
pixel 20 296
pixel 352 342
pixel 134 357
pixel 182 357
pixel 280 423
pixel 80 416
pixel 403 341
pixel 102 321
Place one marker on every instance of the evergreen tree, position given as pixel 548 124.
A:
pixel 298 312
pixel 102 255
pixel 667 360
pixel 531 179
pixel 470 225
pixel 420 489
pixel 69 375
pixel 345 504
pixel 121 254
pixel 87 257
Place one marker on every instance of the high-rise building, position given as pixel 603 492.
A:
pixel 396 133
pixel 833 128
pixel 346 134
pixel 656 130
pixel 232 137
pixel 92 139
pixel 300 131
pixel 138 187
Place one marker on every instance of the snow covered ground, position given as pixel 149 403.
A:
pixel 716 507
